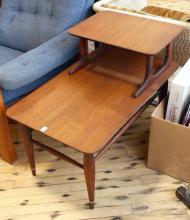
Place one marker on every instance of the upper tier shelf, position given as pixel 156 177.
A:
pixel 129 32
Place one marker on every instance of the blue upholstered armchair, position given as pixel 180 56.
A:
pixel 34 46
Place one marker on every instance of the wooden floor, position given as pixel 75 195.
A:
pixel 125 189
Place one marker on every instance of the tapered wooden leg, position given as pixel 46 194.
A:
pixel 89 172
pixel 7 150
pixel 28 146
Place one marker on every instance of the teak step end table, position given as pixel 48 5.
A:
pixel 89 110
pixel 133 33
pixel 86 111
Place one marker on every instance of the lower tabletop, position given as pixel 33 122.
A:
pixel 84 110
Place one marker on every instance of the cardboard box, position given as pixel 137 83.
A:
pixel 169 146
pixel 179 94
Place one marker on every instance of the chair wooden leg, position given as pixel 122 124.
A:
pixel 28 146
pixel 89 172
pixel 7 150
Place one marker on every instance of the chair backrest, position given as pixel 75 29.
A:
pixel 25 24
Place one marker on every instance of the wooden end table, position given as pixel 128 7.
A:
pixel 137 34
pixel 89 110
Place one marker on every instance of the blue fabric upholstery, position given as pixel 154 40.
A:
pixel 7 54
pixel 35 21
pixel 10 96
pixel 37 62
pixel 34 41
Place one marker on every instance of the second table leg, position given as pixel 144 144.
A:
pixel 89 172
pixel 83 56
pixel 148 74
pixel 28 146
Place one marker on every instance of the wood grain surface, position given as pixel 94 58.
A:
pixel 86 110
pixel 130 32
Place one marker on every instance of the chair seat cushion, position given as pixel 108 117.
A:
pixel 7 54
pixel 34 22
pixel 11 96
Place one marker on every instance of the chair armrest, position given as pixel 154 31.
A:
pixel 35 63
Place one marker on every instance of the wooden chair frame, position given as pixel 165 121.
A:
pixel 7 150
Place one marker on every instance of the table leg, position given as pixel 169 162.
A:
pixel 148 73
pixel 27 136
pixel 83 55
pixel 83 47
pixel 89 172
pixel 166 62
